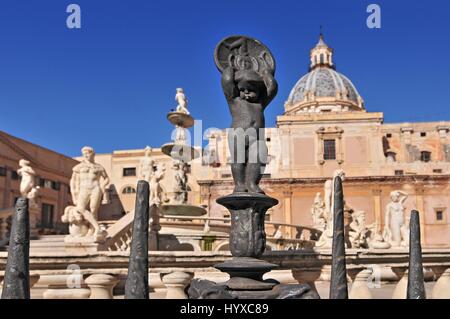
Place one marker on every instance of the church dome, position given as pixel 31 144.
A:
pixel 323 89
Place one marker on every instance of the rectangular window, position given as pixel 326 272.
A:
pixel 437 171
pixel 129 171
pixel 56 186
pixel 14 175
pixel 329 150
pixel 47 216
pixel 399 173
pixel 439 215
pixel 2 171
pixel 425 156
pixel 388 135
pixel 423 134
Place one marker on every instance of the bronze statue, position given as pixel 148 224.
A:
pixel 249 85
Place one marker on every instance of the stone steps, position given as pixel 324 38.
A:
pixel 48 243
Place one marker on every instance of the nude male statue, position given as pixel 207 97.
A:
pixel 146 165
pixel 395 230
pixel 248 93
pixel 88 186
pixel 180 97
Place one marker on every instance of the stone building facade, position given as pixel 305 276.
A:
pixel 53 171
pixel 325 127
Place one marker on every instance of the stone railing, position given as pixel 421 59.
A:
pixel 119 233
pixel 102 274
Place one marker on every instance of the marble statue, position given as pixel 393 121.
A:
pixel 146 165
pixel 156 192
pixel 180 97
pixel 359 232
pixel 88 186
pixel 249 86
pixel 27 183
pixel 181 182
pixel 326 238
pixel 395 230
pixel 318 213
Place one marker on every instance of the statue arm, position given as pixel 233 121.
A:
pixel 271 85
pixel 404 196
pixel 228 84
pixel 105 179
pixel 75 186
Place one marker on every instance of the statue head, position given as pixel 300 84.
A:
pixel 180 90
pixel 147 151
pixel 360 217
pixel 339 173
pixel 24 162
pixel 88 153
pixel 395 196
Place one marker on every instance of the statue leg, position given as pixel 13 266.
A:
pixel 238 149
pixel 95 200
pixel 257 158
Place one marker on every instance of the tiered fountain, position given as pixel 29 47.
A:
pixel 182 153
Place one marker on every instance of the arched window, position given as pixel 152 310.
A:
pixel 129 190
pixel 425 156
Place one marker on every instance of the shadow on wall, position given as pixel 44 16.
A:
pixel 113 210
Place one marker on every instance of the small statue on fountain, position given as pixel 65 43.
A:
pixel 181 186
pixel 180 97
pixel 156 191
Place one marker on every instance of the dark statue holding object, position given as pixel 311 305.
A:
pixel 248 82
pixel 16 284
pixel 136 286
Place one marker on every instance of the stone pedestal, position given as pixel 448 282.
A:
pixel 360 289
pixel 101 286
pixel 247 243
pixel 176 283
pixel 441 289
pixel 86 244
pixel 307 276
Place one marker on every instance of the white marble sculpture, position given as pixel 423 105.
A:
pixel 318 213
pixel 88 186
pixel 146 165
pixel 358 233
pixel 181 186
pixel 156 191
pixel 180 97
pixel 395 230
pixel 326 239
pixel 27 183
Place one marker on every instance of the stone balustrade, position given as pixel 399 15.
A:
pixel 102 274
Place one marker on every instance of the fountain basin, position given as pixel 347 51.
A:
pixel 180 119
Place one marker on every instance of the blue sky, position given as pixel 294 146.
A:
pixel 111 83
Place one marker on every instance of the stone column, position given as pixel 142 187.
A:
pixel 288 211
pixel 377 208
pixel 402 285
pixel 359 289
pixel 101 286
pixel 176 283
pixel 421 208
pixel 441 289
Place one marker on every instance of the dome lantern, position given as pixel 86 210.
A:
pixel 323 89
